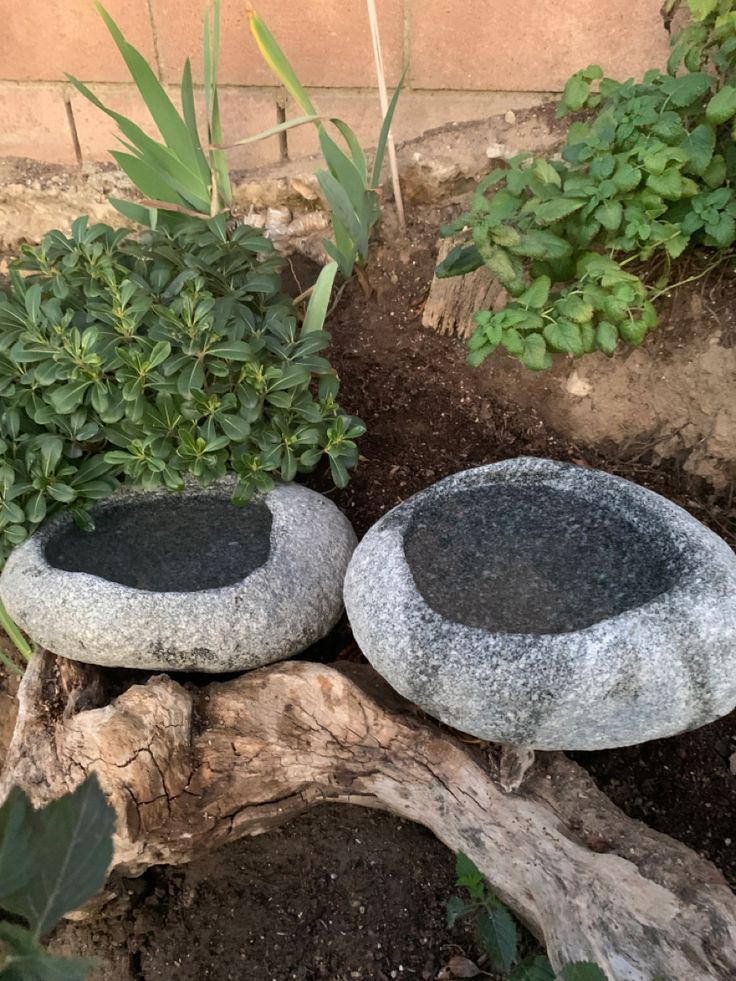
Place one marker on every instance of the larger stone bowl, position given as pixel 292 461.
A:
pixel 184 581
pixel 540 604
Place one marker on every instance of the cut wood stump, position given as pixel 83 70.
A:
pixel 452 302
pixel 189 768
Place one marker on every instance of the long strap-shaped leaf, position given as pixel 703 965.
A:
pixel 163 112
pixel 383 135
pixel 279 64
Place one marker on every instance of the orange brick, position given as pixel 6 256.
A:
pixel 34 123
pixel 535 45
pixel 42 39
pixel 244 112
pixel 327 41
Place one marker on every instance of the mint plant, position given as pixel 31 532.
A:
pixel 52 860
pixel 153 361
pixel 497 934
pixel 649 171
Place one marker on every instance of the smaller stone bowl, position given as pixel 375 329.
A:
pixel 544 605
pixel 184 582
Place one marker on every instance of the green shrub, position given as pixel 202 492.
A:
pixel 649 171
pixel 156 360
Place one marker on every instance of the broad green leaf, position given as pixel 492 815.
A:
pixel 535 354
pixel 668 185
pixel 606 337
pixel 502 205
pixel 627 177
pixel 72 851
pixel 575 93
pixel 699 146
pixel 314 318
pixel 545 172
pixel 564 336
pixel 29 962
pixel 17 862
pixel 551 211
pixel 581 971
pixel 722 106
pixel 69 397
pixel 684 90
pixel 700 9
pixel 232 351
pixel 497 932
pixel 609 214
pixel 539 244
pixel 632 331
pixel 460 260
pixel 537 294
pixel 533 968
pixel 513 342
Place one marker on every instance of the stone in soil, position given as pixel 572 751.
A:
pixel 184 581
pixel 546 605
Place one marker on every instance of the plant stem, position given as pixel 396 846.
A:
pixel 14 634
pixel 690 279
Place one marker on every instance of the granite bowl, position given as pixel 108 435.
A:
pixel 540 604
pixel 184 581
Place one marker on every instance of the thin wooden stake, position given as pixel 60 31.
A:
pixel 383 96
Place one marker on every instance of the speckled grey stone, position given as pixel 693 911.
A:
pixel 184 582
pixel 540 604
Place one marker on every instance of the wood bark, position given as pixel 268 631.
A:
pixel 190 768
pixel 452 302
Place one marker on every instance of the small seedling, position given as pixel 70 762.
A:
pixel 498 935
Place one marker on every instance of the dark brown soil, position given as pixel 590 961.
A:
pixel 346 893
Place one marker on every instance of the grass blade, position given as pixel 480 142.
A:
pixel 383 136
pixel 15 636
pixel 272 131
pixel 314 318
pixel 279 64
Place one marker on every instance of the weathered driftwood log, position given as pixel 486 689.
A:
pixel 191 768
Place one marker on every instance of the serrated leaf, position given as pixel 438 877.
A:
pixel 456 908
pixel 497 932
pixel 606 337
pixel 699 147
pixel 551 211
pixel 609 214
pixel 537 294
pixel 722 106
pixel 564 337
pixel 684 90
pixel 535 355
pixel 533 968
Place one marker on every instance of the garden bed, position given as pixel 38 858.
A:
pixel 270 907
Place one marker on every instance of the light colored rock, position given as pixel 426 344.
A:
pixel 184 581
pixel 550 606
pixel 578 386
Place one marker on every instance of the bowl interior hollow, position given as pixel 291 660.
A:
pixel 167 544
pixel 534 559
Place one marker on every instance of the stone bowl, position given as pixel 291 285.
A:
pixel 540 604
pixel 184 582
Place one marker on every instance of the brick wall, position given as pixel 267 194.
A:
pixel 464 59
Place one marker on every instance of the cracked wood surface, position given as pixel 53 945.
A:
pixel 189 768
